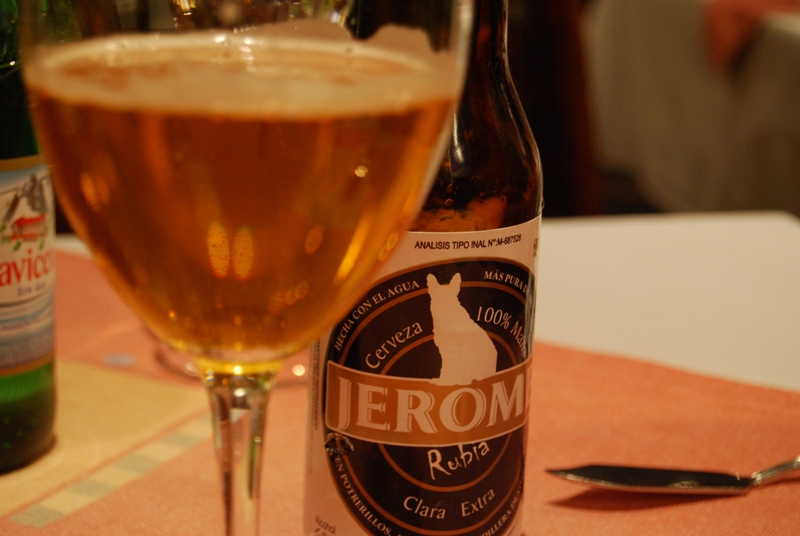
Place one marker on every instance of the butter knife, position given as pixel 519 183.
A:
pixel 651 480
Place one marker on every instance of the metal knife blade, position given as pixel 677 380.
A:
pixel 642 479
pixel 650 480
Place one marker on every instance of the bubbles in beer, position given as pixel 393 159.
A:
pixel 314 239
pixel 242 252
pixel 219 253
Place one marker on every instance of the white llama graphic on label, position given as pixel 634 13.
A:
pixel 467 352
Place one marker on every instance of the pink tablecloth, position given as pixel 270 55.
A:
pixel 134 455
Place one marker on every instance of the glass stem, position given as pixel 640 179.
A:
pixel 239 408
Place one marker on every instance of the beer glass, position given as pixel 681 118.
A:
pixel 239 168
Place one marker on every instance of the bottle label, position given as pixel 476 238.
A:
pixel 419 409
pixel 27 264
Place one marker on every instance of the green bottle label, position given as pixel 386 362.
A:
pixel 27 265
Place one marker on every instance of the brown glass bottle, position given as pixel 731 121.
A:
pixel 491 174
pixel 418 417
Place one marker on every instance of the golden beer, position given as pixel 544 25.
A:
pixel 239 204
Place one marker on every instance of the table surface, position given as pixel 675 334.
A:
pixel 714 293
pixel 717 295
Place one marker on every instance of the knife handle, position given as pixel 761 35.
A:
pixel 773 473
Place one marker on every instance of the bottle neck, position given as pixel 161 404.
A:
pixel 16 132
pixel 488 54
pixel 9 14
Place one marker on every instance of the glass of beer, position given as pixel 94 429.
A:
pixel 239 168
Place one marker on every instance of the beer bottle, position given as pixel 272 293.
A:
pixel 419 399
pixel 27 275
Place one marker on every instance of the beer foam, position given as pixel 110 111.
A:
pixel 264 73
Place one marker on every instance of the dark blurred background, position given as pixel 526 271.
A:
pixel 547 58
pixel 661 106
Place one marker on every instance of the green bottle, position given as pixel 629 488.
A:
pixel 27 269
